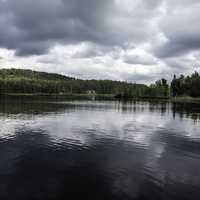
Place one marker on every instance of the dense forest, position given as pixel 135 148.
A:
pixel 27 81
pixel 186 86
pixel 30 82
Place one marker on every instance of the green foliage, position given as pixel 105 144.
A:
pixel 29 74
pixel 186 86
pixel 28 81
pixel 159 89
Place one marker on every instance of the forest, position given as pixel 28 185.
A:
pixel 186 86
pixel 33 82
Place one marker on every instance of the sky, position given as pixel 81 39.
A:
pixel 136 41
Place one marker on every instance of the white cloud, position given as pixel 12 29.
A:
pixel 140 40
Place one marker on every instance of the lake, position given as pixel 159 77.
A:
pixel 52 150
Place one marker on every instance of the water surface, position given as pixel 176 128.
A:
pixel 99 150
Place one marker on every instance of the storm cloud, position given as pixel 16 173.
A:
pixel 181 29
pixel 33 27
pixel 136 38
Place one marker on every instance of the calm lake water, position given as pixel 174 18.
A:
pixel 99 150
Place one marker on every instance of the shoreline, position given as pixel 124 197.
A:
pixel 185 99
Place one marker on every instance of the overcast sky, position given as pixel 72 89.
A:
pixel 132 40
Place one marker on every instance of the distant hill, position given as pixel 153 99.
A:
pixel 28 81
pixel 34 82
pixel 29 74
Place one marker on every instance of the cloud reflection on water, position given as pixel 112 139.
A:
pixel 137 147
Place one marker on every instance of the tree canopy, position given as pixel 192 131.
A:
pixel 28 81
pixel 186 86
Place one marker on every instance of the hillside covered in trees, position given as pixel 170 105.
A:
pixel 33 82
pixel 28 81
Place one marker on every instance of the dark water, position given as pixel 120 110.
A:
pixel 99 150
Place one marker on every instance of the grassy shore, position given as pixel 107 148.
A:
pixel 185 99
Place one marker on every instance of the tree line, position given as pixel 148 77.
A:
pixel 28 81
pixel 186 86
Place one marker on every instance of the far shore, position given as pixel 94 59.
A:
pixel 183 99
pixel 186 99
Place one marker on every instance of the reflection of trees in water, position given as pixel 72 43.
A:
pixel 161 107
pixel 42 106
pixel 32 107
pixel 142 106
pixel 189 110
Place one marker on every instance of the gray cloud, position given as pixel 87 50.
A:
pixel 140 59
pixel 90 51
pixel 138 78
pixel 49 60
pixel 63 33
pixel 31 27
pixel 180 26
